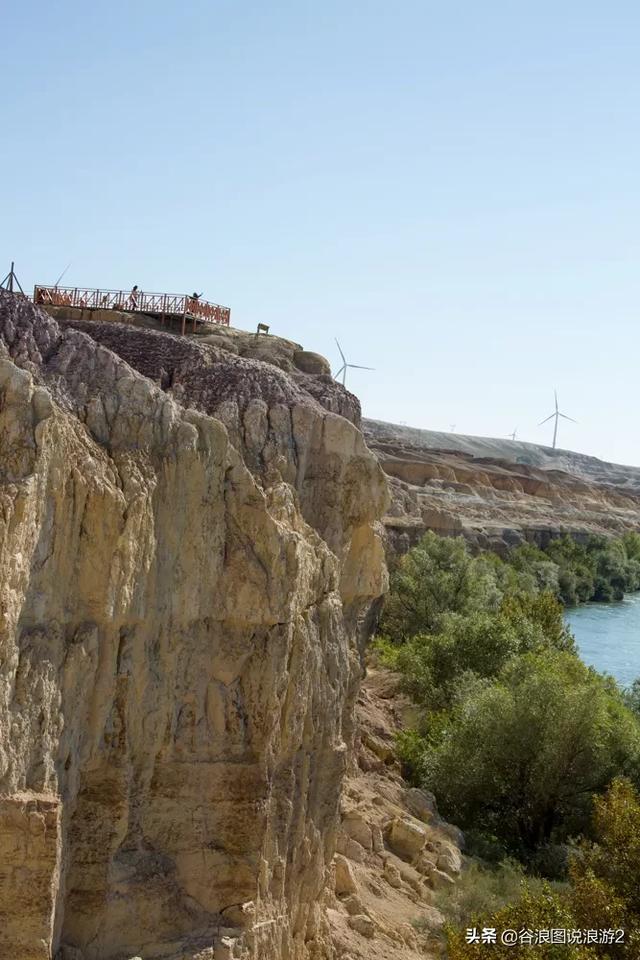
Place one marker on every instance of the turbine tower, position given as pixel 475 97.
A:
pixel 345 366
pixel 556 416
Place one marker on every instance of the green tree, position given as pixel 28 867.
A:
pixel 631 541
pixel 612 573
pixel 603 894
pixel 605 875
pixel 632 697
pixel 431 665
pixel 520 758
pixel 542 611
pixel 478 643
pixel 599 568
pixel 438 576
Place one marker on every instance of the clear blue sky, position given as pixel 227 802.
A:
pixel 450 188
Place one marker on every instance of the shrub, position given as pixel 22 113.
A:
pixel 598 569
pixel 631 696
pixel 477 643
pixel 543 611
pixel 482 889
pixel 603 894
pixel 533 910
pixel 410 747
pixel 437 577
pixel 606 875
pixel 520 758
pixel 431 665
pixel 631 541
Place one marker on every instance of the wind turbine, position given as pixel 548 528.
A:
pixel 512 436
pixel 556 415
pixel 345 366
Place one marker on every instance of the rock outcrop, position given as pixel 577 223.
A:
pixel 497 493
pixel 395 855
pixel 189 561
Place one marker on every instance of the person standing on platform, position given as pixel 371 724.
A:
pixel 133 297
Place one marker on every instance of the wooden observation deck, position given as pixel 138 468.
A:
pixel 162 306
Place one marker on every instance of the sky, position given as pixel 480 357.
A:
pixel 450 189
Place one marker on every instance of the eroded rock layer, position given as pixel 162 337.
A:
pixel 188 560
pixel 497 493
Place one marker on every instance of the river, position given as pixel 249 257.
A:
pixel 608 636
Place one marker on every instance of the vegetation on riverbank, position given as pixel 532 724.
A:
pixel 597 569
pixel 601 901
pixel 515 735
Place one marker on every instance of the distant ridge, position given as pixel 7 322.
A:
pixel 513 451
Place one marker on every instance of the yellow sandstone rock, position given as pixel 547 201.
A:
pixel 187 574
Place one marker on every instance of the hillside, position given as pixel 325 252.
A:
pixel 497 492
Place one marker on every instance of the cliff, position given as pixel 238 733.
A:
pixel 497 493
pixel 192 561
pixel 189 562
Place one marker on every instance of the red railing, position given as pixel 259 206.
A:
pixel 138 301
pixel 209 312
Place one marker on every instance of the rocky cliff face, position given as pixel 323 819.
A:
pixel 497 493
pixel 396 857
pixel 188 561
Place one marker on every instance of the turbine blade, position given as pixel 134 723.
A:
pixel 344 359
pixel 567 418
pixel 343 367
pixel 356 366
pixel 550 417
pixel 555 393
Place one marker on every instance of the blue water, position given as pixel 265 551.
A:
pixel 608 636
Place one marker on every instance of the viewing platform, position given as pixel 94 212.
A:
pixel 164 307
